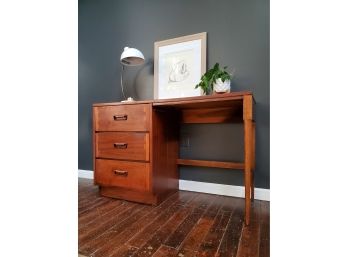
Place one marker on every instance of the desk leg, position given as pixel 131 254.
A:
pixel 253 161
pixel 247 167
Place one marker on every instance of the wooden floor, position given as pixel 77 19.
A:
pixel 186 224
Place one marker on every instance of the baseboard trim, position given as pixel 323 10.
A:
pixel 204 187
pixel 220 189
pixel 86 174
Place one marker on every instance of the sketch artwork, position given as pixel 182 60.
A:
pixel 178 72
pixel 179 64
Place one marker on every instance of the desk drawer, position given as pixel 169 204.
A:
pixel 123 145
pixel 130 175
pixel 126 117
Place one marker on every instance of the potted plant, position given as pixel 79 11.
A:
pixel 215 79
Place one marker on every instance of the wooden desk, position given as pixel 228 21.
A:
pixel 155 148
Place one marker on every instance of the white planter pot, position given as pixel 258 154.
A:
pixel 222 87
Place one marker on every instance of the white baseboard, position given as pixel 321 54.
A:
pixel 220 189
pixel 204 187
pixel 86 174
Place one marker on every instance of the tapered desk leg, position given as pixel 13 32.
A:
pixel 247 167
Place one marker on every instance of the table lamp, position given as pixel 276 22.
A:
pixel 130 57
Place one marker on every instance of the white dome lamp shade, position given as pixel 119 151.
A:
pixel 130 57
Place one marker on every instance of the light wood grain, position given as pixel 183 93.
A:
pixel 136 118
pixel 165 151
pixel 211 164
pixel 248 152
pixel 213 115
pixel 123 145
pixel 123 174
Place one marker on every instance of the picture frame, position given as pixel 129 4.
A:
pixel 179 64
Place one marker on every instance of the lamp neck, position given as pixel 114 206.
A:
pixel 122 69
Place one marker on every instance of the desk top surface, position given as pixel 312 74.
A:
pixel 216 100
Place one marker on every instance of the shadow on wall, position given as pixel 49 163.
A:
pixel 144 81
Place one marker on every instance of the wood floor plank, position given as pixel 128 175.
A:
pixel 160 236
pixel 94 213
pixel 87 192
pixel 264 250
pixel 118 213
pixel 125 251
pixel 187 224
pixel 199 207
pixel 250 238
pixel 141 238
pixel 110 240
pixel 102 208
pixel 198 233
pixel 92 204
pixel 229 243
pixel 85 195
pixel 265 220
pixel 232 203
pixel 212 240
pixel 186 197
pixel 87 234
pixel 117 238
pixel 121 233
pixel 165 251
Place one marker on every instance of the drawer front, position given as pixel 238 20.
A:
pixel 126 117
pixel 130 175
pixel 123 145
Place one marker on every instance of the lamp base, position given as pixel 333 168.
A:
pixel 129 99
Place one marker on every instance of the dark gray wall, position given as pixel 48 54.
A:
pixel 238 36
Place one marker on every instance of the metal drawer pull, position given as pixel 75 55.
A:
pixel 121 172
pixel 120 117
pixel 120 145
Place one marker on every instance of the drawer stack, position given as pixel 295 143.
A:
pixel 135 150
pixel 122 150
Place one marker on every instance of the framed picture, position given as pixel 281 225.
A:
pixel 179 64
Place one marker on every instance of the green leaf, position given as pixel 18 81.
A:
pixel 210 77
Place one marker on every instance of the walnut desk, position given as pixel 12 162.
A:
pixel 136 145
